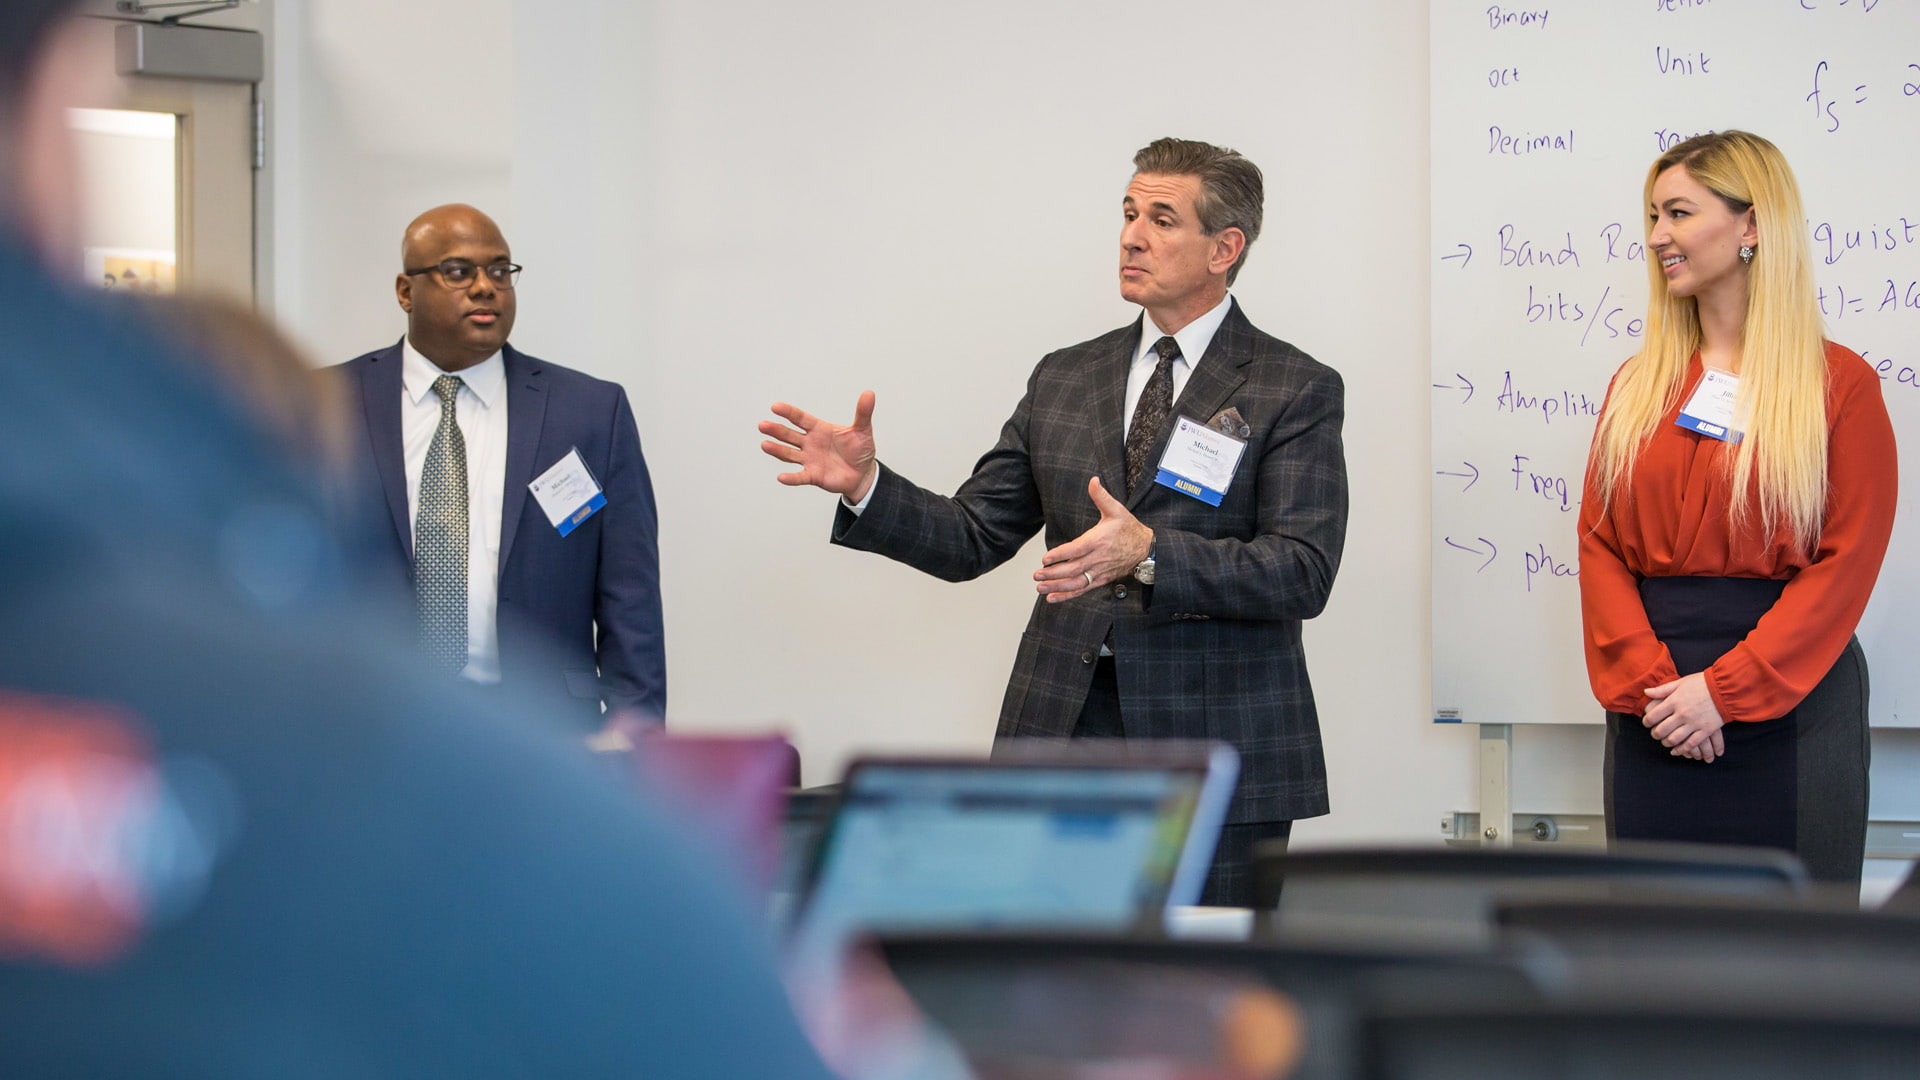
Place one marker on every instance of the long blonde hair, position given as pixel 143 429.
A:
pixel 1783 377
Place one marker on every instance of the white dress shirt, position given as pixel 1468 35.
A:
pixel 1193 339
pixel 481 411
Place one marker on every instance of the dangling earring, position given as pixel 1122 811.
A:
pixel 1746 254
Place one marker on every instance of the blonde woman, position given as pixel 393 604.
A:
pixel 1738 501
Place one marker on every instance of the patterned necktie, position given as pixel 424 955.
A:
pixel 440 538
pixel 1150 416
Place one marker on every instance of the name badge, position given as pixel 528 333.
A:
pixel 567 492
pixel 1710 410
pixel 1200 461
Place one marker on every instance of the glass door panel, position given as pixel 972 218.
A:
pixel 128 170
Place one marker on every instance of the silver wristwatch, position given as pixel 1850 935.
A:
pixel 1143 573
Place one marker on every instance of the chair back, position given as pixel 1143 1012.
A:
pixel 1905 900
pixel 1448 894
pixel 1732 950
pixel 1085 997
pixel 1788 1040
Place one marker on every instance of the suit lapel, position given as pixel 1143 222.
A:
pixel 380 394
pixel 526 412
pixel 1221 370
pixel 1109 413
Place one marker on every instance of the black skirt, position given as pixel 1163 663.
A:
pixel 1797 782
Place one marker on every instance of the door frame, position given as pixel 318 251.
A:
pixel 215 160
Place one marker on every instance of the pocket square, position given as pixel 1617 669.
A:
pixel 1229 422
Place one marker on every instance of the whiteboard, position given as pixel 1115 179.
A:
pixel 1546 116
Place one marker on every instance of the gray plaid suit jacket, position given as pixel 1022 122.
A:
pixel 1212 650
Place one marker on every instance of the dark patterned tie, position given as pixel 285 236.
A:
pixel 1150 416
pixel 440 538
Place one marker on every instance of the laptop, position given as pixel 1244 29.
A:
pixel 733 788
pixel 1087 835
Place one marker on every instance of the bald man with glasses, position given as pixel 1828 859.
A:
pixel 520 509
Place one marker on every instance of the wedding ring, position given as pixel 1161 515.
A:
pixel 1089 574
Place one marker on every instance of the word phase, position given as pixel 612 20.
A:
pixel 1540 563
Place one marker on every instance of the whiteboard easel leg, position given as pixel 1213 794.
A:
pixel 1496 785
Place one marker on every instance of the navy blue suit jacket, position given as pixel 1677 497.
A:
pixel 371 875
pixel 579 615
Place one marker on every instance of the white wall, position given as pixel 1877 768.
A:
pixel 375 112
pixel 725 204
pixel 799 203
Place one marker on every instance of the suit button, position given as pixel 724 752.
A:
pixel 1086 658
pixel 1120 590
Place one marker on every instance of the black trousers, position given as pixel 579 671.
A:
pixel 1230 878
pixel 1797 782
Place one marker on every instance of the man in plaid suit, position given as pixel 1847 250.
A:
pixel 1159 615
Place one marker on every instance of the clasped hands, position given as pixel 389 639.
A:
pixel 1684 719
pixel 841 459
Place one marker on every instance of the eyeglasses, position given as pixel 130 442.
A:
pixel 460 274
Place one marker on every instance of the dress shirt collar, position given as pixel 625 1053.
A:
pixel 1193 337
pixel 487 379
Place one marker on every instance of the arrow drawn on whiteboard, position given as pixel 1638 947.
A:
pixel 1465 256
pixel 1463 383
pixel 1491 552
pixel 1472 477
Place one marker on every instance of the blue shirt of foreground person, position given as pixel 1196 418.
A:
pixel 243 841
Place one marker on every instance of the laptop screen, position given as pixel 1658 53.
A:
pixel 1060 837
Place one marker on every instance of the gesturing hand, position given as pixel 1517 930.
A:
pixel 1684 718
pixel 838 459
pixel 1107 552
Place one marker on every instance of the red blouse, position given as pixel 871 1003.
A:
pixel 1671 521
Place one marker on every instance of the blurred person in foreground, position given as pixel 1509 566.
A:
pixel 240 839
pixel 303 409
pixel 265 371
pixel 1739 499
